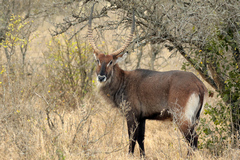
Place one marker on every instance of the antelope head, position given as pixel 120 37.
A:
pixel 105 63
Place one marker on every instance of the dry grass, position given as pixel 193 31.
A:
pixel 35 129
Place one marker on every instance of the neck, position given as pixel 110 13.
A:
pixel 112 89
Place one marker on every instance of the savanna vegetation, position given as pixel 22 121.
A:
pixel 49 105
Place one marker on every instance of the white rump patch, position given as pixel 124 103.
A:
pixel 192 107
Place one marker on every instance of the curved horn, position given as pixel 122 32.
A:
pixel 120 50
pixel 90 37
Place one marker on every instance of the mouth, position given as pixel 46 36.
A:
pixel 101 78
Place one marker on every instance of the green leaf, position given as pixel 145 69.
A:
pixel 225 97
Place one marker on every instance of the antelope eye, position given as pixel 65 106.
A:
pixel 98 61
pixel 110 63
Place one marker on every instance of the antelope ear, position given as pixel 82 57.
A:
pixel 121 57
pixel 95 56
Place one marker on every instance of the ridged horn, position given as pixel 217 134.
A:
pixel 90 36
pixel 120 50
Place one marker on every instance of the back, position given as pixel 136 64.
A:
pixel 155 91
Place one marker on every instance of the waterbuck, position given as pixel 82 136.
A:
pixel 175 95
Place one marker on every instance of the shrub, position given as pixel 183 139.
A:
pixel 70 68
pixel 216 135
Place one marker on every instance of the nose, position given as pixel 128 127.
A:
pixel 101 78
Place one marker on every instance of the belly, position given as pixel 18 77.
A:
pixel 163 115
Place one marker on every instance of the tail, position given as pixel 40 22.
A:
pixel 202 98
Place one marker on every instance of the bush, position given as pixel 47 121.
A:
pixel 216 135
pixel 70 68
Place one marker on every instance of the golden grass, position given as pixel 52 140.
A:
pixel 34 128
pixel 95 130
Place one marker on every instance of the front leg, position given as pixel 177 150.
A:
pixel 136 131
pixel 132 132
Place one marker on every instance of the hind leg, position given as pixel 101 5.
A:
pixel 190 134
pixel 140 138
pixel 192 138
